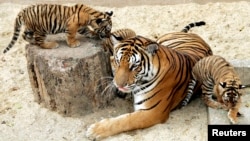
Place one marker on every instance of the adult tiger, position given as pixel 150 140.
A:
pixel 43 19
pixel 157 76
pixel 218 79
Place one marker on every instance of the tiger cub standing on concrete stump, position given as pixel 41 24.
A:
pixel 217 78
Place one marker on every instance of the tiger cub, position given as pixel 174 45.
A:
pixel 218 79
pixel 43 19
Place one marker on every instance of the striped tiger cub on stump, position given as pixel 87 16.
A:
pixel 43 19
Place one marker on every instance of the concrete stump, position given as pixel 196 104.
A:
pixel 69 80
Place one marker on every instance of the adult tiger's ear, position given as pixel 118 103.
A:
pixel 223 84
pixel 152 48
pixel 110 13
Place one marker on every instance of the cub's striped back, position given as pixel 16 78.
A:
pixel 43 19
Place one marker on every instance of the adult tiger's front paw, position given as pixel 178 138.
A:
pixel 98 130
pixel 91 134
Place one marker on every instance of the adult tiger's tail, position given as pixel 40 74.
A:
pixel 191 25
pixel 17 29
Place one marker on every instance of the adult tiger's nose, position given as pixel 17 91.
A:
pixel 119 84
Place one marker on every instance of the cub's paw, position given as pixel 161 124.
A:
pixel 233 119
pixel 50 45
pixel 74 43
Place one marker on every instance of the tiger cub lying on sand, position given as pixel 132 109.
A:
pixel 43 19
pixel 217 78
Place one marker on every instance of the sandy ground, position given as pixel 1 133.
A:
pixel 22 119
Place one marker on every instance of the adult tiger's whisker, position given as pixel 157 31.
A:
pixel 107 88
pixel 104 81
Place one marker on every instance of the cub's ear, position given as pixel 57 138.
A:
pixel 244 86
pixel 115 40
pixel 152 48
pixel 110 13
pixel 119 38
pixel 223 84
pixel 98 21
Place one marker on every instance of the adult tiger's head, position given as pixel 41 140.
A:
pixel 132 62
pixel 230 91
pixel 100 25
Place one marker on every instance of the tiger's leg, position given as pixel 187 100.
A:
pixel 49 45
pixel 233 113
pixel 126 122
pixel 190 92
pixel 28 35
pixel 40 41
pixel 207 93
pixel 73 25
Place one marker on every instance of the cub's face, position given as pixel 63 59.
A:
pixel 132 63
pixel 230 99
pixel 231 94
pixel 100 26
